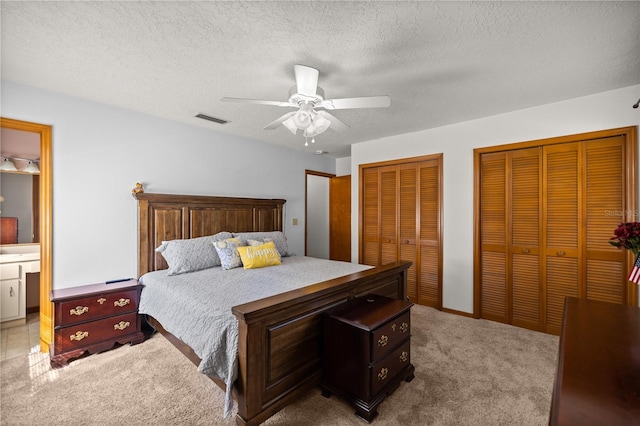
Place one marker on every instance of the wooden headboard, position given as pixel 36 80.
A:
pixel 163 217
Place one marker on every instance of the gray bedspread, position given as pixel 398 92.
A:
pixel 196 306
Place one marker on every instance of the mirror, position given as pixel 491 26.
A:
pixel 19 205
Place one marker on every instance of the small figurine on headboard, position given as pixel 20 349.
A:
pixel 138 189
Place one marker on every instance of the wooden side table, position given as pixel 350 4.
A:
pixel 93 318
pixel 367 351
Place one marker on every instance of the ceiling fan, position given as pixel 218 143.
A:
pixel 309 100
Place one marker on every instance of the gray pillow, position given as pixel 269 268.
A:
pixel 192 254
pixel 277 237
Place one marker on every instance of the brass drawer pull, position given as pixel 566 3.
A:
pixel 393 327
pixel 383 341
pixel 121 325
pixel 526 250
pixel 79 310
pixel 79 335
pixel 404 356
pixel 383 374
pixel 561 253
pixel 102 300
pixel 404 327
pixel 121 302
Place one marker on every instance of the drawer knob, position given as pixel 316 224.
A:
pixel 383 374
pixel 79 310
pixel 404 356
pixel 102 300
pixel 79 335
pixel 121 302
pixel 383 341
pixel 121 325
pixel 404 327
pixel 393 327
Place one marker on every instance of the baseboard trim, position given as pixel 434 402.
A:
pixel 455 312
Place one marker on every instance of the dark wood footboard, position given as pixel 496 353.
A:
pixel 280 338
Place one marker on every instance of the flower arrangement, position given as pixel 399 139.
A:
pixel 627 235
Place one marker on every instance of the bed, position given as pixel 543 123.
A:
pixel 278 336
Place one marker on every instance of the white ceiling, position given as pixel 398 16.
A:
pixel 440 62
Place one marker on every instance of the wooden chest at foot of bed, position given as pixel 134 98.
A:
pixel 93 318
pixel 367 351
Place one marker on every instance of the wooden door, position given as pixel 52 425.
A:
pixel 524 293
pixel 370 213
pixel 493 248
pixel 408 224
pixel 563 240
pixel 401 219
pixel 546 214
pixel 340 218
pixel 429 258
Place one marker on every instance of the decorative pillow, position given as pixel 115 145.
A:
pixel 277 237
pixel 259 256
pixel 258 242
pixel 191 254
pixel 228 251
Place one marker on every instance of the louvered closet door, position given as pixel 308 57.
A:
pixel 562 215
pixel 408 219
pixel 524 238
pixel 370 217
pixel 388 214
pixel 605 265
pixel 493 255
pixel 429 249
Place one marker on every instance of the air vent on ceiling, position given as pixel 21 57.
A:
pixel 214 119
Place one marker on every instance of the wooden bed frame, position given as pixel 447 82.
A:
pixel 279 337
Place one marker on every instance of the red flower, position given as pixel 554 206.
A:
pixel 627 235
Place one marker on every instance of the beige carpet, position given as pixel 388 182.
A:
pixel 468 372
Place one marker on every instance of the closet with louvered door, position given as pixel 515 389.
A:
pixel 401 220
pixel 546 214
pixel 510 211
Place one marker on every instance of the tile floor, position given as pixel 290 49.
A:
pixel 22 339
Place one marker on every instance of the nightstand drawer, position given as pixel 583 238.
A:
pixel 97 306
pixel 86 334
pixel 384 371
pixel 390 335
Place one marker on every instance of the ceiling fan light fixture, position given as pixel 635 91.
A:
pixel 289 124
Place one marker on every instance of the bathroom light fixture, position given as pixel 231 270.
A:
pixel 31 167
pixel 8 165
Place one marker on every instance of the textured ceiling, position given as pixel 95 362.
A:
pixel 440 62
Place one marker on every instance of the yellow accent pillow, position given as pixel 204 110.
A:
pixel 259 256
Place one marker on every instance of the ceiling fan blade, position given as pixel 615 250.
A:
pixel 363 102
pixel 306 79
pixel 336 124
pixel 276 123
pixel 258 101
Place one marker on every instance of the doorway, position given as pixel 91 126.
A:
pixel 45 223
pixel 328 216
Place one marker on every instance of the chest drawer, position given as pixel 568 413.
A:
pixel 390 335
pixel 386 369
pixel 97 306
pixel 85 334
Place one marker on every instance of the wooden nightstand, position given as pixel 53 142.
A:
pixel 93 318
pixel 367 351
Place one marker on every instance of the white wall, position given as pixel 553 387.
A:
pixel 602 111
pixel 318 216
pixel 100 152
